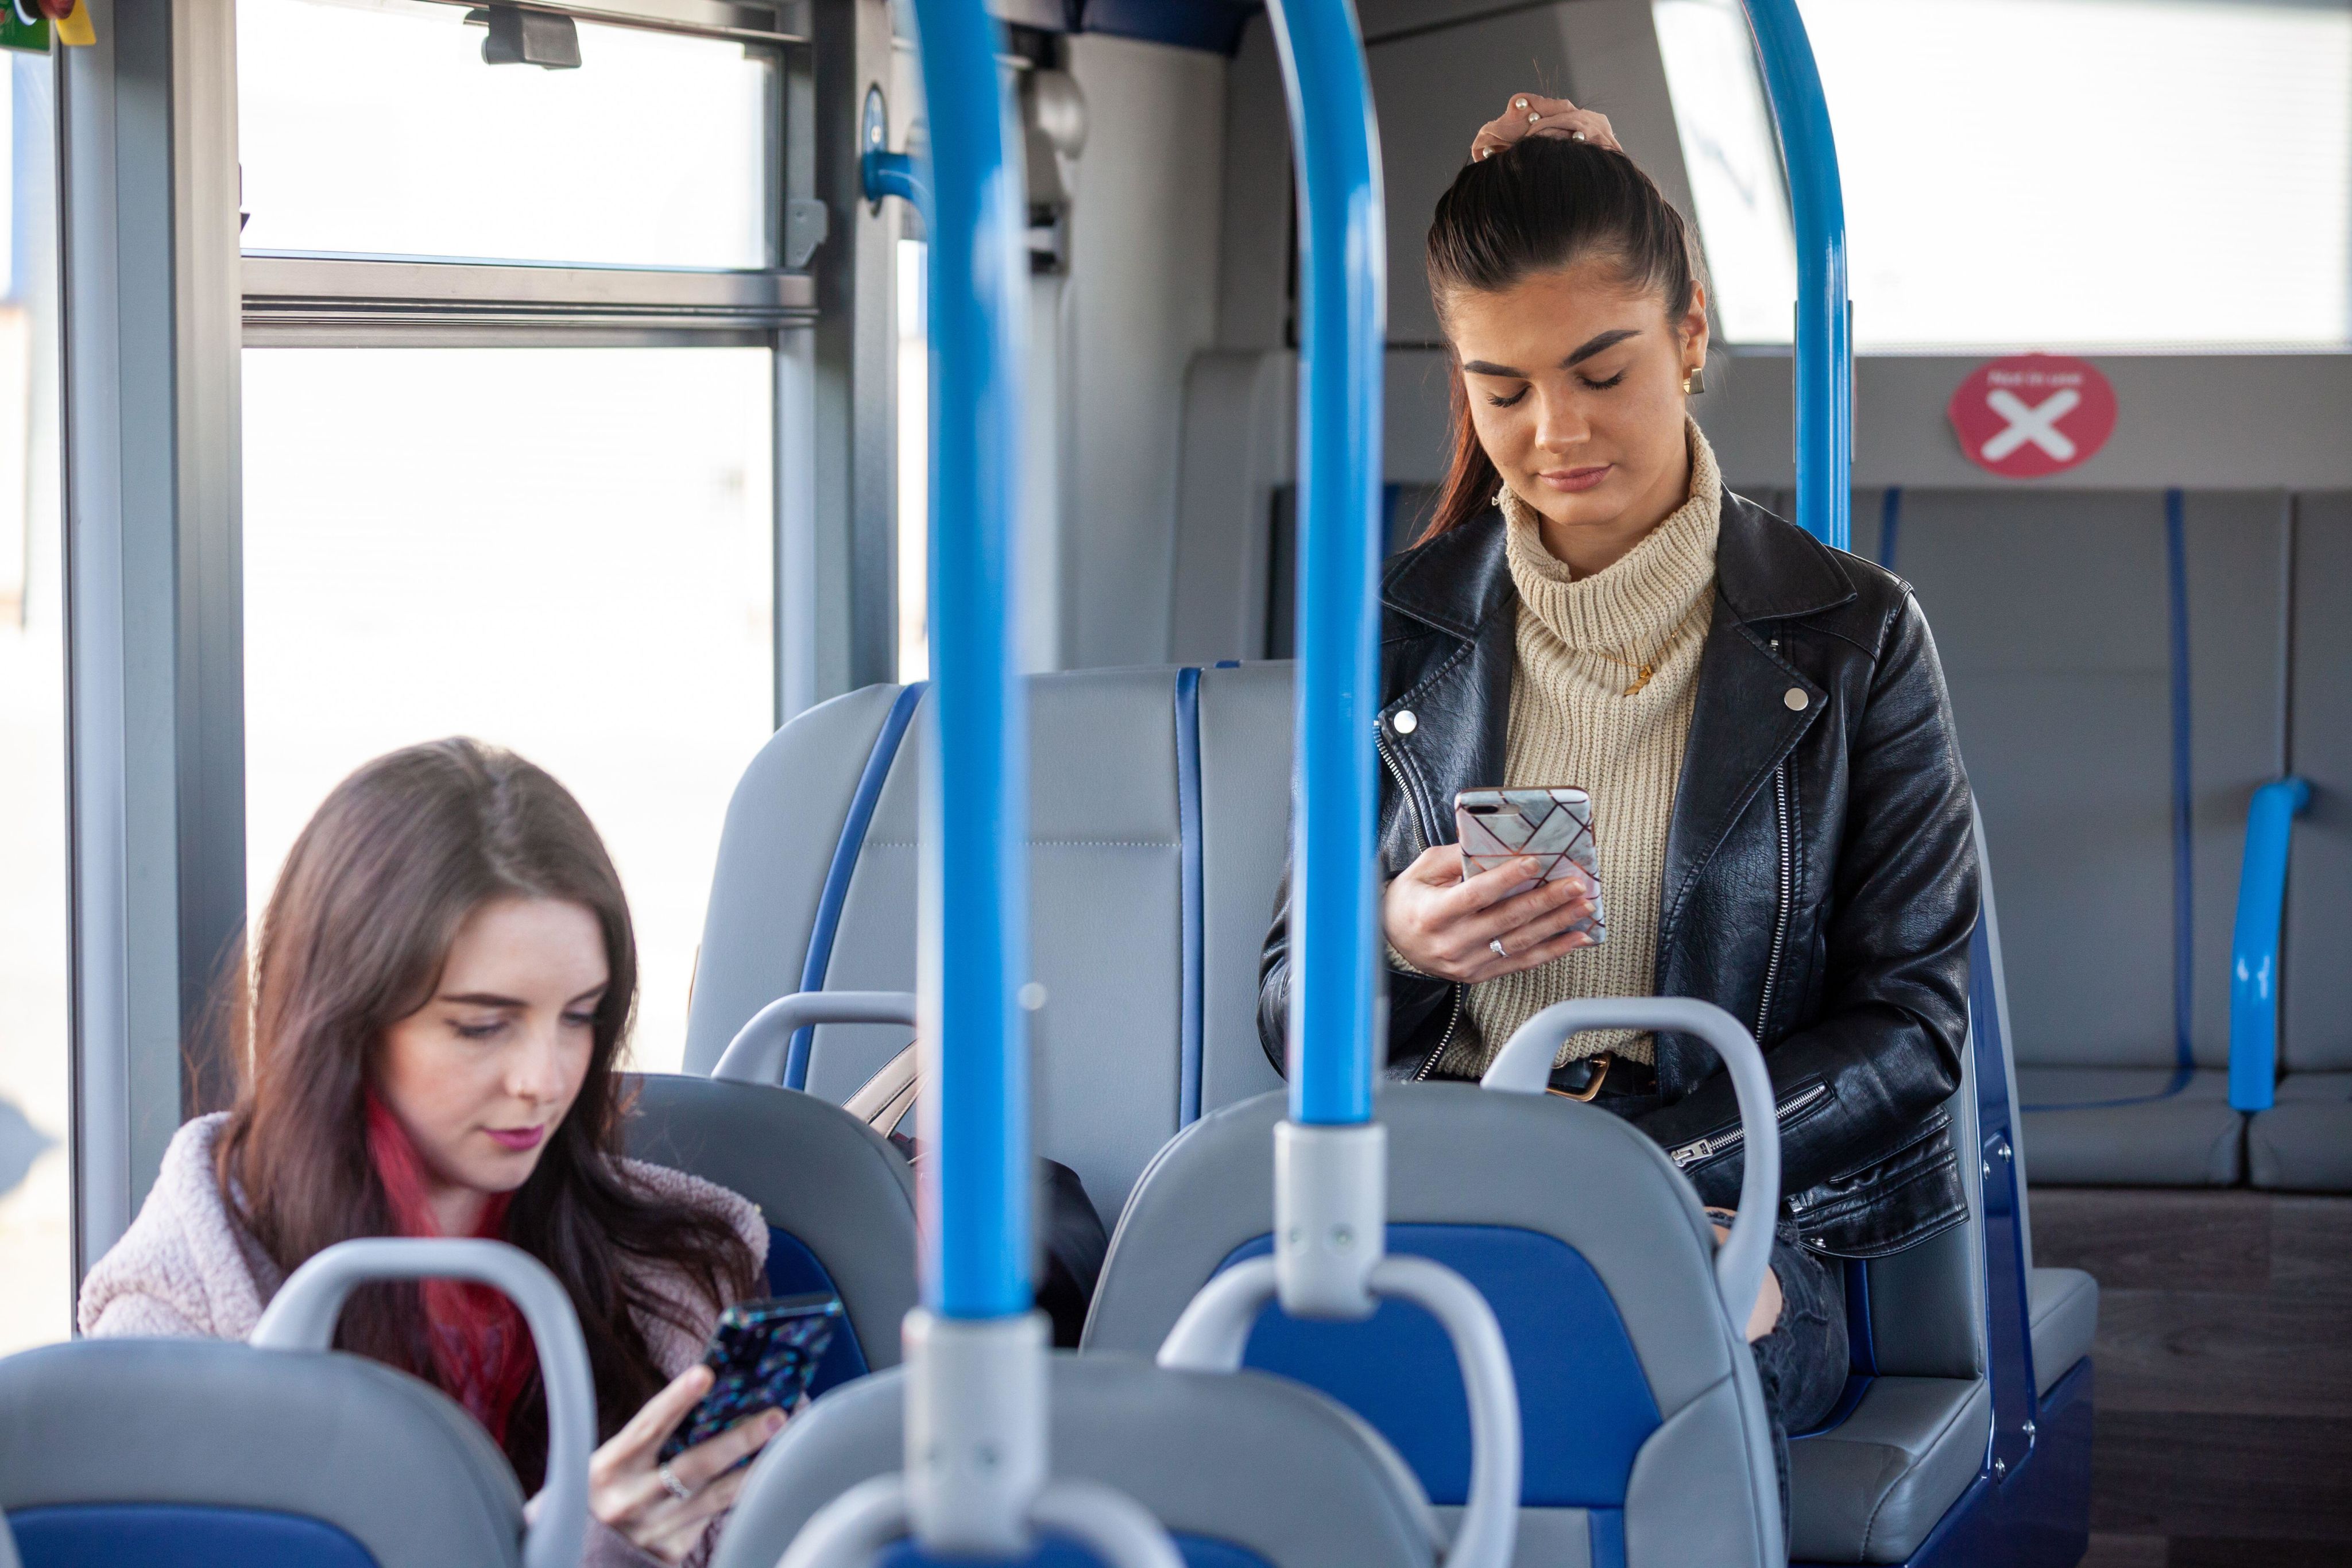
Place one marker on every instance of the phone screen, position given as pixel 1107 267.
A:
pixel 762 1355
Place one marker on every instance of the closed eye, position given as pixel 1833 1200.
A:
pixel 1602 386
pixel 1507 402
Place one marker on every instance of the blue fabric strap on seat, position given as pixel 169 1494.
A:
pixel 179 1535
pixel 1188 822
pixel 2184 914
pixel 837 876
pixel 1890 524
pixel 2184 885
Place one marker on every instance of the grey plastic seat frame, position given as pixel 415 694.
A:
pixel 284 1424
pixel 1260 1463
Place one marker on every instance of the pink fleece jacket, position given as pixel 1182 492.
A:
pixel 188 1269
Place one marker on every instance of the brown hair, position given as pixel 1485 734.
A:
pixel 1541 204
pixel 354 938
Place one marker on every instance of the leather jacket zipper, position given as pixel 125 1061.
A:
pixel 1454 1019
pixel 1690 1153
pixel 1781 912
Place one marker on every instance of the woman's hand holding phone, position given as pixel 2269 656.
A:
pixel 625 1489
pixel 1444 924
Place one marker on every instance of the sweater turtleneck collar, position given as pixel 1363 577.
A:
pixel 1640 602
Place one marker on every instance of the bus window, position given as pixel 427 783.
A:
pixel 564 550
pixel 381 132
pixel 36 1250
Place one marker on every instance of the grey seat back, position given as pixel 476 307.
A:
pixel 2114 741
pixel 1159 801
pixel 317 1459
pixel 1631 1381
pixel 1240 1468
pixel 838 1200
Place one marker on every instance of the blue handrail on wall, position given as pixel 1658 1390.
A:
pixel 974 944
pixel 2254 942
pixel 1342 315
pixel 1825 326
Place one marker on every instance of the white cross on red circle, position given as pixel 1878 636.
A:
pixel 2030 416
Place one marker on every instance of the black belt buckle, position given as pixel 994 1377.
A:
pixel 1596 1069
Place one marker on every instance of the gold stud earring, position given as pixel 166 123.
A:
pixel 1695 380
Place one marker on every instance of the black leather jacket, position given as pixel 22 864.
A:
pixel 1821 877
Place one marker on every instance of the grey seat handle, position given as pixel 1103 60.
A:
pixel 1524 1066
pixel 759 1051
pixel 302 1317
pixel 1213 1333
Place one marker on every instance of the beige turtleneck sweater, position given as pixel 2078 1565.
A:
pixel 1574 722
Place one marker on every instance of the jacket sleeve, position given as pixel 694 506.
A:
pixel 1413 998
pixel 1894 1014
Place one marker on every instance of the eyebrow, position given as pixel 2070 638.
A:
pixel 1591 347
pixel 492 999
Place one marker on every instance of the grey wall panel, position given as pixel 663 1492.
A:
pixel 1254 241
pixel 1143 281
pixel 2318 1013
pixel 2049 612
pixel 2237 616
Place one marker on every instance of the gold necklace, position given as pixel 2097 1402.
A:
pixel 1646 669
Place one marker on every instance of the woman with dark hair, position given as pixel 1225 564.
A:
pixel 442 980
pixel 1782 824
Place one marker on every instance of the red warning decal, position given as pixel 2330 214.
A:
pixel 2030 415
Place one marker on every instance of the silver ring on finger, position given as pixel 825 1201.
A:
pixel 672 1485
pixel 1500 951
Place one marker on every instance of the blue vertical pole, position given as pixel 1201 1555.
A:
pixel 974 936
pixel 1825 326
pixel 1342 317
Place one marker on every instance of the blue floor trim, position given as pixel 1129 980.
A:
pixel 1890 524
pixel 1188 823
pixel 845 866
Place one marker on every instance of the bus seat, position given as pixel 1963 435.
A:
pixel 1140 914
pixel 838 1200
pixel 2067 704
pixel 1246 1471
pixel 132 1451
pixel 126 1451
pixel 2304 1142
pixel 1630 1379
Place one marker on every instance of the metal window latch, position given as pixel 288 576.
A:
pixel 807 223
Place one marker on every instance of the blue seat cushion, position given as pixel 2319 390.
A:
pixel 793 1271
pixel 1585 1406
pixel 177 1535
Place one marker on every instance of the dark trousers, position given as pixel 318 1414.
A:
pixel 1802 1363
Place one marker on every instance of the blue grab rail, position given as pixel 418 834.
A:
pixel 974 944
pixel 1342 313
pixel 1824 366
pixel 2254 942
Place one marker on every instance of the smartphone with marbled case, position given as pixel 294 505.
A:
pixel 1554 825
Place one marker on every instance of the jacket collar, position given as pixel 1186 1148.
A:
pixel 1765 570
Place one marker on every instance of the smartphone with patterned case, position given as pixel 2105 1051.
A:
pixel 762 1356
pixel 1553 825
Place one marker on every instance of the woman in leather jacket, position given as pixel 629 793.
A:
pixel 1782 824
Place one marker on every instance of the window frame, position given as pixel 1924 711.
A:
pixel 158 300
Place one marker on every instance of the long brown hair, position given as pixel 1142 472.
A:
pixel 354 938
pixel 1540 205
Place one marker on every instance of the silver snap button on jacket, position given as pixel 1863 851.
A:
pixel 1796 699
pixel 1404 723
